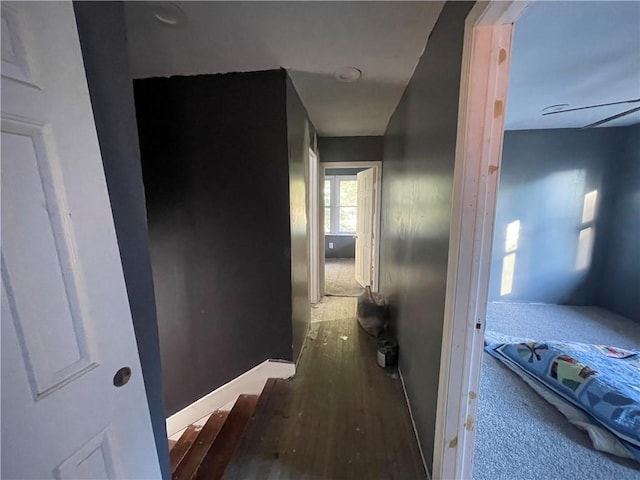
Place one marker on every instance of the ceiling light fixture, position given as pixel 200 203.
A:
pixel 167 13
pixel 555 108
pixel 347 74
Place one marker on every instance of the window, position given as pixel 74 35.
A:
pixel 340 204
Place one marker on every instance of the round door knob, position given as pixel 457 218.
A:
pixel 122 376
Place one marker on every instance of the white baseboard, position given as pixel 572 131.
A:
pixel 251 382
pixel 413 422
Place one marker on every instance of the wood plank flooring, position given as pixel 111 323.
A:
pixel 340 417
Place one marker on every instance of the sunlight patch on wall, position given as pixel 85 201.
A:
pixel 513 235
pixel 508 269
pixel 585 248
pixel 589 207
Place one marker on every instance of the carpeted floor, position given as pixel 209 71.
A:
pixel 519 435
pixel 340 278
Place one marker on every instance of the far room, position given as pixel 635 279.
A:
pixel 563 318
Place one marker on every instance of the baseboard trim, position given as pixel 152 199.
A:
pixel 251 382
pixel 413 423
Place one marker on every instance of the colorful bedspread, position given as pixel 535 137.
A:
pixel 596 386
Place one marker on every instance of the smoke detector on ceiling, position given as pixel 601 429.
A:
pixel 347 74
pixel 167 13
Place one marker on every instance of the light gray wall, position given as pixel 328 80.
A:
pixel 544 177
pixel 350 149
pixel 417 183
pixel 300 135
pixel 620 273
pixel 101 29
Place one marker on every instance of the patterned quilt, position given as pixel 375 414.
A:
pixel 600 381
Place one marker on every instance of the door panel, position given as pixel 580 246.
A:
pixel 66 323
pixel 364 230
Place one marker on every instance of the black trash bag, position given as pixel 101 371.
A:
pixel 372 312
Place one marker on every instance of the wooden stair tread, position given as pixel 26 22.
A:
pixel 227 441
pixel 263 418
pixel 182 446
pixel 210 431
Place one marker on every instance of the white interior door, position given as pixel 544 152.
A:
pixel 365 226
pixel 66 323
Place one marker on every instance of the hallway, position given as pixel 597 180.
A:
pixel 340 417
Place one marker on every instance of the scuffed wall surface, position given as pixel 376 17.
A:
pixel 417 184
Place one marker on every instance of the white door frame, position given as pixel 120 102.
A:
pixel 376 217
pixel 314 224
pixel 483 90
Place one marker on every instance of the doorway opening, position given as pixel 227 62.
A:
pixel 348 224
pixel 530 265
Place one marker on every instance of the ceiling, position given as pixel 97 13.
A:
pixel 575 53
pixel 310 39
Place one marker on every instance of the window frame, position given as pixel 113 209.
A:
pixel 334 207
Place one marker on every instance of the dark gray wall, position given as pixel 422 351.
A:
pixel 101 29
pixel 299 137
pixel 344 171
pixel 344 246
pixel 350 149
pixel 620 274
pixel 544 177
pixel 216 173
pixel 417 181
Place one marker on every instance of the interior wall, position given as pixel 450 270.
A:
pixel 350 149
pixel 544 177
pixel 620 272
pixel 417 186
pixel 101 30
pixel 300 136
pixel 216 174
pixel 339 246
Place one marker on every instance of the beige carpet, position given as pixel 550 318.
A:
pixel 340 278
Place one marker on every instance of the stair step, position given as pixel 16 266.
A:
pixel 182 446
pixel 254 435
pixel 226 442
pixel 172 443
pixel 189 464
